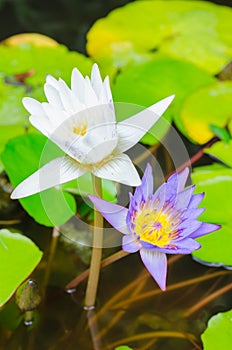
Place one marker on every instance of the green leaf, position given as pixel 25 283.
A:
pixel 221 151
pixel 19 256
pixel 206 106
pixel 145 84
pixel 221 133
pixel 193 31
pixel 216 182
pixel 23 156
pixel 123 347
pixel 218 333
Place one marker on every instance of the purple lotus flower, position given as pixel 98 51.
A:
pixel 158 224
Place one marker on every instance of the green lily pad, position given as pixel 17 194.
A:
pixel 219 332
pixel 19 256
pixel 146 83
pixel 193 31
pixel 33 64
pixel 210 105
pixel 221 151
pixel 216 182
pixel 22 157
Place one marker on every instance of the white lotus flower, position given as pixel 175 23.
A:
pixel 81 121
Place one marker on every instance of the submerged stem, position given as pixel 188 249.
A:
pixel 54 241
pixel 95 263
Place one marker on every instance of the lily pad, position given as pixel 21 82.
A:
pixel 219 331
pixel 216 182
pixel 222 151
pixel 210 105
pixel 146 83
pixel 194 31
pixel 19 256
pixel 22 157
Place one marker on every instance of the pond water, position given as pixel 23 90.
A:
pixel 130 310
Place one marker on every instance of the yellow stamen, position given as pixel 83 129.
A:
pixel 152 227
pixel 81 129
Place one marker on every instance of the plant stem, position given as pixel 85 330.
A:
pixel 158 334
pixel 55 236
pixel 172 287
pixel 207 299
pixel 107 261
pixel 95 263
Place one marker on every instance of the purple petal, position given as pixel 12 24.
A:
pixel 184 197
pixel 147 182
pixel 195 200
pixel 188 227
pixel 204 229
pixel 182 178
pixel 156 263
pixel 115 214
pixel 184 246
pixel 129 244
pixel 171 187
pixel 193 213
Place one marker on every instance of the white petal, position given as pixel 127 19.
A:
pixel 53 95
pixel 42 124
pixel 34 107
pixel 54 114
pixel 90 95
pixel 96 79
pixel 108 93
pixel 56 172
pixel 78 85
pixel 121 169
pixel 131 130
pixel 65 96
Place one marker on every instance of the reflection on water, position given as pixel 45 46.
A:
pixel 130 309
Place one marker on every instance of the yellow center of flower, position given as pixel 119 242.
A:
pixel 80 129
pixel 154 228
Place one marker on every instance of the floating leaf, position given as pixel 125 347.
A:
pixel 216 182
pixel 149 82
pixel 194 31
pixel 221 133
pixel 35 39
pixel 208 105
pixel 19 256
pixel 23 156
pixel 221 151
pixel 219 332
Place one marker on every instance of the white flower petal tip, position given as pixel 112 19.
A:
pixel 56 172
pixel 160 107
